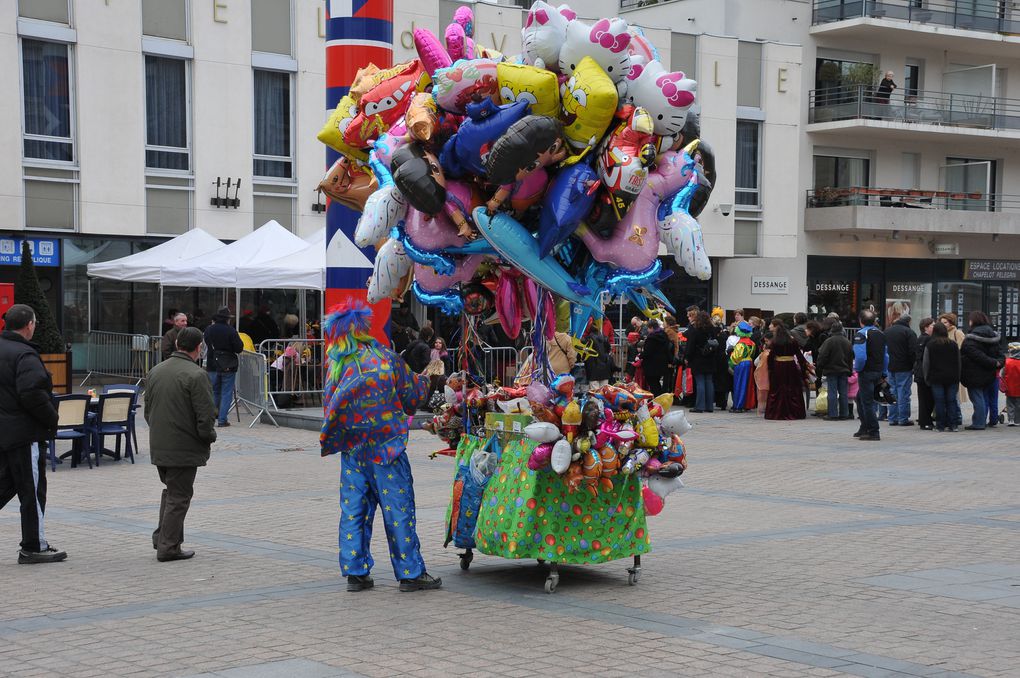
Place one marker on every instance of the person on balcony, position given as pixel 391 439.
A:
pixel 885 88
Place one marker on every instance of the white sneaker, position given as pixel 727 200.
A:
pixel 1012 423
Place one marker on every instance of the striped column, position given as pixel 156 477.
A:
pixel 358 32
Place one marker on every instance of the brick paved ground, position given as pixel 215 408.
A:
pixel 795 551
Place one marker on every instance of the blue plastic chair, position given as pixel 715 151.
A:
pixel 135 406
pixel 113 418
pixel 71 425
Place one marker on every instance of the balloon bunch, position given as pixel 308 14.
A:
pixel 481 178
pixel 610 431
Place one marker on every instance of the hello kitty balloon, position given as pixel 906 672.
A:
pixel 543 34
pixel 606 42
pixel 666 95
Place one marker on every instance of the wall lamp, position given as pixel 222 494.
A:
pixel 225 200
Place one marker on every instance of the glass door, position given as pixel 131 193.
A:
pixel 960 298
pixel 970 184
pixel 1002 301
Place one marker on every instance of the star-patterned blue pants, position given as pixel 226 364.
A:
pixel 363 485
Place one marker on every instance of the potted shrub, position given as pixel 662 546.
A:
pixel 52 348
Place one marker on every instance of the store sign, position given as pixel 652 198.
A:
pixel 985 269
pixel 761 284
pixel 946 249
pixel 832 286
pixel 45 251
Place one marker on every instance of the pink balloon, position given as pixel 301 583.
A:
pixel 431 52
pixel 653 502
pixel 508 306
pixel 634 243
pixel 458 44
pixel 439 232
pixel 550 318
pixel 530 297
pixel 430 281
pixel 540 457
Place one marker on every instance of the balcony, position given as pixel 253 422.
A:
pixel 920 113
pixel 869 209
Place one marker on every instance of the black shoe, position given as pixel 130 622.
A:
pixel 926 427
pixel 892 423
pixel 870 437
pixel 858 434
pixel 223 424
pixel 699 411
pixel 974 428
pixel 359 582
pixel 175 555
pixel 908 422
pixel 953 430
pixel 426 582
pixel 993 424
pixel 47 555
pixel 828 418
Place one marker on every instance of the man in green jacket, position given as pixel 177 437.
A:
pixel 181 415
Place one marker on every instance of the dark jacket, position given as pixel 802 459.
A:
pixel 941 363
pixel 697 339
pixel 168 344
pixel 417 356
pixel 659 353
pixel 27 414
pixel 799 332
pixel 922 341
pixel 981 357
pixel 600 367
pixel 180 412
pixel 835 357
pixel 220 336
pixel 901 343
pixel 869 351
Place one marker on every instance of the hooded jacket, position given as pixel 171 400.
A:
pixel 941 363
pixel 901 344
pixel 981 357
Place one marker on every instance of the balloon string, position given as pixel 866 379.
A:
pixel 540 368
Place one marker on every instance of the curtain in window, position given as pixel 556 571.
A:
pixel 47 100
pixel 272 123
pixel 166 112
pixel 747 163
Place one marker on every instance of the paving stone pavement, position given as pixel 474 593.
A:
pixel 795 550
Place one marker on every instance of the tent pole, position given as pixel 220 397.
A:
pixel 237 308
pixel 303 311
pixel 159 320
pixel 89 298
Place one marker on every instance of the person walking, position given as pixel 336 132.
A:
pixel 180 412
pixel 925 397
pixel 657 358
pixel 168 344
pixel 702 351
pixel 901 343
pixel 834 363
pixel 787 375
pixel 369 384
pixel 598 368
pixel 870 363
pixel 223 344
pixel 28 420
pixel 1010 383
pixel 941 368
pixel 982 359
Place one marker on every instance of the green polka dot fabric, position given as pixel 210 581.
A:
pixel 532 514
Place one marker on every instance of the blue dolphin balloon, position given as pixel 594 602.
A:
pixel 464 153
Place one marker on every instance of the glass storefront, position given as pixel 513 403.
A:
pixel 910 298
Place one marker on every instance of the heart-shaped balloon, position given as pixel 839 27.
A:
pixel 653 502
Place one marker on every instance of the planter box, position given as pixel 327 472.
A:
pixel 59 366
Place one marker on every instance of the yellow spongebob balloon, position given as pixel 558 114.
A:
pixel 332 133
pixel 588 104
pixel 648 434
pixel 539 87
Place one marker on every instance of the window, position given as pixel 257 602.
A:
pixel 270 26
pixel 974 178
pixel 274 202
pixel 44 10
pixel 273 144
pixel 683 54
pixel 166 114
pixel 840 172
pixel 749 74
pixel 165 19
pixel 51 198
pixel 47 101
pixel 911 80
pixel 745 237
pixel 168 204
pixel 748 175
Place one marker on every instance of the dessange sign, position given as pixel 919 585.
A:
pixel 761 284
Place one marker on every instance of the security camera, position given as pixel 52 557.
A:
pixel 725 208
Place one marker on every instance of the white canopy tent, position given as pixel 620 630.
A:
pixel 145 266
pixel 303 269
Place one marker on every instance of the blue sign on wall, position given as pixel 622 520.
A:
pixel 45 251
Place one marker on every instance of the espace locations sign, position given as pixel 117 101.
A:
pixel 761 284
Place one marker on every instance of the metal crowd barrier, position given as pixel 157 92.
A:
pixel 495 362
pixel 125 356
pixel 252 386
pixel 294 376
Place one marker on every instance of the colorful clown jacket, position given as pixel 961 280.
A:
pixel 365 412
pixel 742 352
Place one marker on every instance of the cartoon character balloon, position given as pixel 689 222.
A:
pixel 605 42
pixel 543 34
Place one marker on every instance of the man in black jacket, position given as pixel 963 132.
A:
pixel 222 344
pixel 657 358
pixel 28 419
pixel 901 343
pixel 418 353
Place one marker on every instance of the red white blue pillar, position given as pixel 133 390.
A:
pixel 358 32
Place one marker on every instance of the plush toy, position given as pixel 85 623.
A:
pixel 605 42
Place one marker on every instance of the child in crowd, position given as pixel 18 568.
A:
pixel 1010 382
pixel 761 372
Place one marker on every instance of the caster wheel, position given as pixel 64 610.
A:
pixel 550 584
pixel 465 560
pixel 632 578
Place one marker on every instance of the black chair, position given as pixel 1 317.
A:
pixel 71 425
pixel 113 418
pixel 135 405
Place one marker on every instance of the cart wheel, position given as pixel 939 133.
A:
pixel 551 582
pixel 633 575
pixel 466 558
pixel 1002 418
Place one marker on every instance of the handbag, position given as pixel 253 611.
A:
pixel 226 361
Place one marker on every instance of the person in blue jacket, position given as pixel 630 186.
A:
pixel 369 392
pixel 871 364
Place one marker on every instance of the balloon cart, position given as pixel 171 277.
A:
pixel 522 514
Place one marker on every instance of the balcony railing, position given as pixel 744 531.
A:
pixel 990 16
pixel 917 106
pixel 869 196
